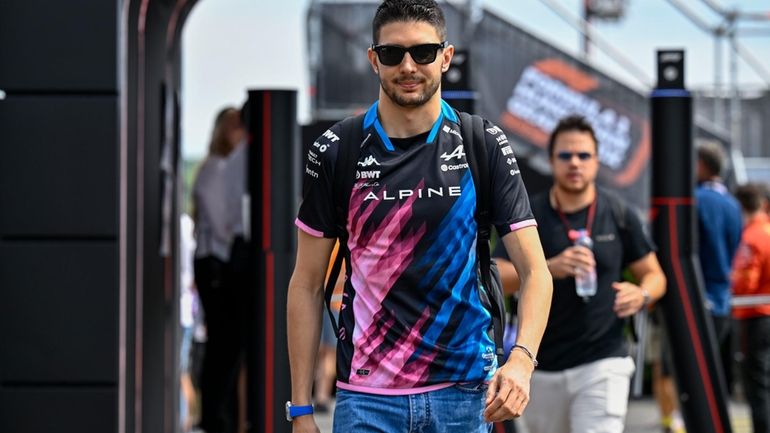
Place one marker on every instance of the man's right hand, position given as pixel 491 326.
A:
pixel 571 261
pixel 304 424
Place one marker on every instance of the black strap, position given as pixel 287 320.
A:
pixel 348 149
pixel 472 128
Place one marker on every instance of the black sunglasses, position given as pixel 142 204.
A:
pixel 392 55
pixel 567 156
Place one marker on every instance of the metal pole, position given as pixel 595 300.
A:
pixel 586 47
pixel 735 113
pixel 718 107
pixel 702 390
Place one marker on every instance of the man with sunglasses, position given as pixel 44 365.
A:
pixel 583 376
pixel 413 352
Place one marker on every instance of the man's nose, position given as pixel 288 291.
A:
pixel 407 63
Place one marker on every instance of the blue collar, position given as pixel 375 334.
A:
pixel 372 119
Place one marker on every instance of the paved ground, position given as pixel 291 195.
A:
pixel 642 418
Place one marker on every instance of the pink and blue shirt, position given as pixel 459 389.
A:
pixel 411 318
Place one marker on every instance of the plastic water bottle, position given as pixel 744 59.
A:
pixel 585 281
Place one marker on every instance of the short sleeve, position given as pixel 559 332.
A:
pixel 637 243
pixel 510 203
pixel 316 214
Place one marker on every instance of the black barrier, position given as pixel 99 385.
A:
pixel 691 336
pixel 274 188
pixel 456 83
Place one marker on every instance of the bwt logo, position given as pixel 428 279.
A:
pixel 331 136
pixel 368 174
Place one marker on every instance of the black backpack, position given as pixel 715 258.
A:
pixel 472 131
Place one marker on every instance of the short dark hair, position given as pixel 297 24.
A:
pixel 765 188
pixel 750 196
pixel 712 156
pixel 571 123
pixel 408 10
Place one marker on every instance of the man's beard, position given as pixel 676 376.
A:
pixel 569 188
pixel 411 100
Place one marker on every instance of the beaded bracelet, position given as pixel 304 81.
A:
pixel 526 352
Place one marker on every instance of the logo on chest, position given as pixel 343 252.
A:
pixel 609 237
pixel 458 153
pixel 449 130
pixel 368 174
pixel 369 160
pixel 419 193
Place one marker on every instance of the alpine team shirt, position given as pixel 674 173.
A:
pixel 411 318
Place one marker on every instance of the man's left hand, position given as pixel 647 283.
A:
pixel 508 392
pixel 629 298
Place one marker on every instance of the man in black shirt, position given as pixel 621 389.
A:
pixel 582 381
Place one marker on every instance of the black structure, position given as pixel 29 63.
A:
pixel 698 369
pixel 89 172
pixel 456 83
pixel 274 184
pixel 88 168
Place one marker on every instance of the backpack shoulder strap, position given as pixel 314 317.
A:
pixel 619 210
pixel 474 143
pixel 348 149
pixel 475 146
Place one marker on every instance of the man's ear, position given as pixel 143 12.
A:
pixel 373 60
pixel 446 57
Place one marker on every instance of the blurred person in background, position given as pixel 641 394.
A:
pixel 751 277
pixel 583 378
pixel 663 385
pixel 719 232
pixel 214 279
pixel 766 194
pixel 188 299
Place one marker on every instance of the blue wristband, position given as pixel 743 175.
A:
pixel 296 411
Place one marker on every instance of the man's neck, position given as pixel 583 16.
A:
pixel 715 179
pixel 404 122
pixel 569 201
pixel 759 215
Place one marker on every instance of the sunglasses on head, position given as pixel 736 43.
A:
pixel 567 156
pixel 392 55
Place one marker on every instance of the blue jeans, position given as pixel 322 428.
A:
pixel 458 408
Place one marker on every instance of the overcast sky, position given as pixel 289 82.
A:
pixel 233 45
